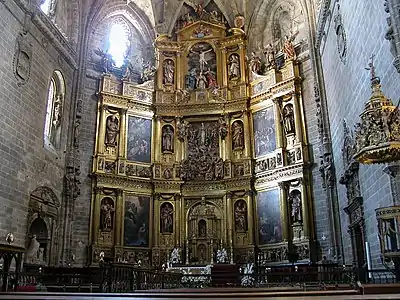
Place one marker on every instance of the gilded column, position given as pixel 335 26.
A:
pixel 284 210
pixel 157 140
pixel 156 220
pixel 101 133
pixel 223 67
pixel 305 209
pixel 297 118
pixel 229 217
pixel 242 63
pixel 119 217
pixel 246 129
pixel 96 213
pixel 250 220
pixel 228 139
pixel 122 134
pixel 160 73
pixel 278 124
pixel 178 72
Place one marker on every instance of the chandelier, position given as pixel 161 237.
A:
pixel 377 135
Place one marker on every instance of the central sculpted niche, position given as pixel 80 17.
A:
pixel 203 161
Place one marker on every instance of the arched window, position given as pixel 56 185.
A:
pixel 118 40
pixel 54 110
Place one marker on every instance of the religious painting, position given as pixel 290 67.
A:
pixel 240 212
pixel 139 139
pixel 237 135
pixel 166 218
pixel 136 220
pixel 269 217
pixel 167 144
pixel 107 210
pixel 202 67
pixel 264 131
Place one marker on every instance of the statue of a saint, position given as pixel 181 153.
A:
pixel 202 135
pixel 288 119
pixel 169 71
pixel 107 209
pixel 182 127
pixel 237 135
pixel 167 139
pixel 255 63
pixel 112 129
pixel 288 47
pixel 240 216
pixel 223 128
pixel 269 57
pixel 295 199
pixel 166 215
pixel 234 67
pixel 219 169
pixel 201 83
pixel 32 253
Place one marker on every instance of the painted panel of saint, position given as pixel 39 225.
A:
pixel 139 139
pixel 136 220
pixel 269 217
pixel 202 67
pixel 166 218
pixel 264 131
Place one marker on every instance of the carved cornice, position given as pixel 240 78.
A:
pixel 122 182
pixel 322 19
pixel 284 174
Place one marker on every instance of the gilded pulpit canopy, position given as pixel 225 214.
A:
pixel 377 136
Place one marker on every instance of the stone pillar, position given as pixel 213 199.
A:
pixel 297 118
pixel 160 72
pixel 122 134
pixel 229 216
pixel 278 124
pixel 284 210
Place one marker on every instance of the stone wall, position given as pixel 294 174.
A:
pixel 25 163
pixel 347 89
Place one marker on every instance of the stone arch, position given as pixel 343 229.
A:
pixel 261 21
pixel 43 221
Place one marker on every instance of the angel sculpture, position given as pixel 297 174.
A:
pixel 288 47
pixel 269 53
pixel 148 71
pixel 107 62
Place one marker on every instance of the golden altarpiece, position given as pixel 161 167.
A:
pixel 208 155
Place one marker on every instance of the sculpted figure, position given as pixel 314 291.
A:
pixel 107 209
pixel 288 119
pixel 32 254
pixel 169 72
pixel 167 139
pixel 295 199
pixel 234 66
pixel 255 63
pixel 288 47
pixel 269 57
pixel 240 216
pixel 166 215
pixel 112 129
pixel 237 135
